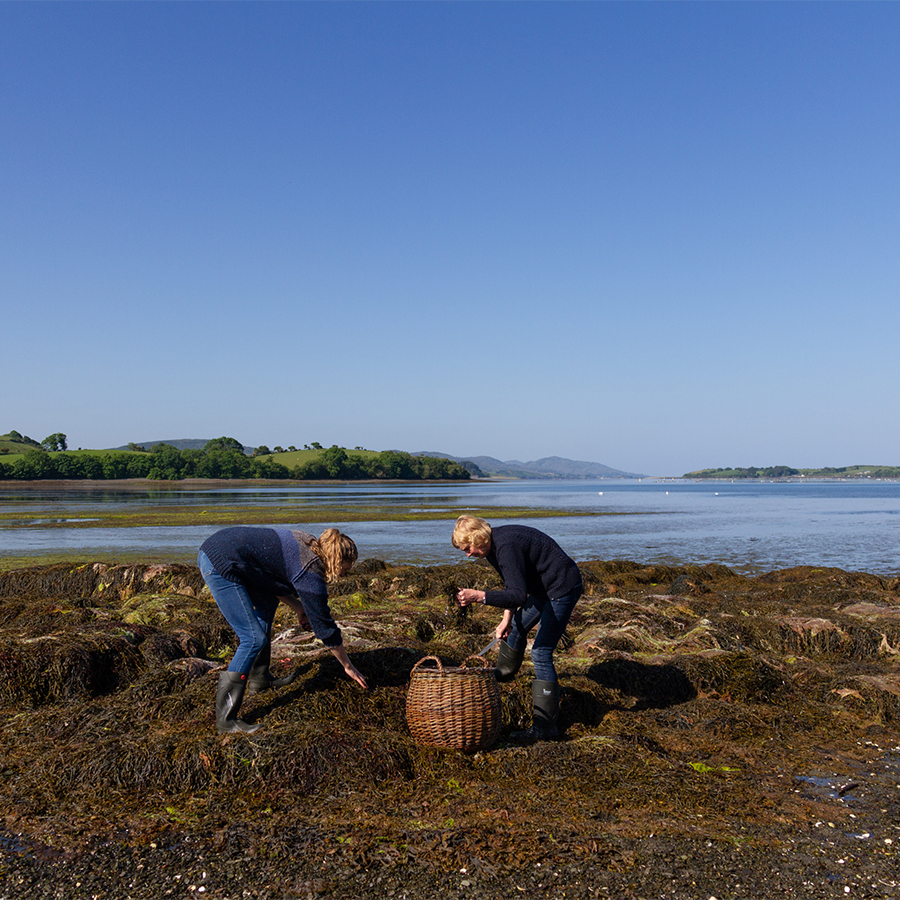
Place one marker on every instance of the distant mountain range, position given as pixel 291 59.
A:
pixel 548 467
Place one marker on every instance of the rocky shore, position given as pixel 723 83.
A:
pixel 725 736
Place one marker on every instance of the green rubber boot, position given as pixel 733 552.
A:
pixel 261 679
pixel 508 662
pixel 545 695
pixel 229 697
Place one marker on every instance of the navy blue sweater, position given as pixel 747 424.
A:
pixel 531 564
pixel 273 562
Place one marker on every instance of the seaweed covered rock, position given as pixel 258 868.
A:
pixel 96 628
pixel 99 579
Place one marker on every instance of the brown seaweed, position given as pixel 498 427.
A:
pixel 691 697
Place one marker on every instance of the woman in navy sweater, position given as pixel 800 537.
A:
pixel 249 571
pixel 540 584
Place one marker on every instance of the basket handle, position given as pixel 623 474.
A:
pixel 482 662
pixel 425 659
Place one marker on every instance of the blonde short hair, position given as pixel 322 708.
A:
pixel 334 549
pixel 470 531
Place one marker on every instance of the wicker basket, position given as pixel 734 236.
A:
pixel 456 708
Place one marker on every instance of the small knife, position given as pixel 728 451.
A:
pixel 493 643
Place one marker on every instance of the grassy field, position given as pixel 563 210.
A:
pixel 12 450
pixel 289 458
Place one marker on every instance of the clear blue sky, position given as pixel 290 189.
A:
pixel 656 236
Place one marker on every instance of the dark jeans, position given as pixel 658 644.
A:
pixel 553 616
pixel 251 621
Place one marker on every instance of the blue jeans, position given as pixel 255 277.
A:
pixel 251 621
pixel 554 616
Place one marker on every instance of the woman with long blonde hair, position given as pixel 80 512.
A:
pixel 249 571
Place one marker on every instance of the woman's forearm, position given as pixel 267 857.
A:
pixel 340 654
pixel 502 629
pixel 295 604
pixel 291 602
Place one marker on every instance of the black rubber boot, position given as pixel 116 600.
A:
pixel 508 662
pixel 261 679
pixel 545 695
pixel 229 696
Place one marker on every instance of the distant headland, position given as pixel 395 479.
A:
pixel 839 472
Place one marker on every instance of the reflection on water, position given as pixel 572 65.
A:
pixel 751 527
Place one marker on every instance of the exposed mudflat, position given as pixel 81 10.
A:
pixel 725 736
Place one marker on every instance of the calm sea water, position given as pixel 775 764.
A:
pixel 750 527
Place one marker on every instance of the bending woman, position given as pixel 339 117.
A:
pixel 541 584
pixel 249 570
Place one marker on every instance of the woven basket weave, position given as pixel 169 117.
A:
pixel 456 708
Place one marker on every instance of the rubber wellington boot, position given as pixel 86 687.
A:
pixel 545 695
pixel 508 662
pixel 229 696
pixel 261 679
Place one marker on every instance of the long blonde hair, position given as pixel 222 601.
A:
pixel 334 549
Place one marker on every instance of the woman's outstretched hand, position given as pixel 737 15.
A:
pixel 356 675
pixel 340 654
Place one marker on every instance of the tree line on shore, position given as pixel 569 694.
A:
pixel 223 458
pixel 788 472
